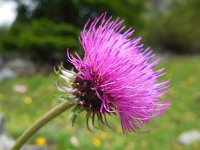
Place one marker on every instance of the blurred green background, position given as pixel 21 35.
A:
pixel 37 40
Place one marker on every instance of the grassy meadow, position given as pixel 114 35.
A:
pixel 22 109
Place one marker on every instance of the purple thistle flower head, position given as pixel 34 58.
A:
pixel 116 76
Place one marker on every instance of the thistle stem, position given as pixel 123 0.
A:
pixel 40 123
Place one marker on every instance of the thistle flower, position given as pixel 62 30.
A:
pixel 116 76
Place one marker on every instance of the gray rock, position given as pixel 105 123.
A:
pixel 20 66
pixel 6 142
pixel 189 137
pixel 7 73
pixel 11 67
pixel 157 5
pixel 1 124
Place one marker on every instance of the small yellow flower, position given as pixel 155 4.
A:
pixel 1 96
pixel 96 142
pixel 27 100
pixel 41 141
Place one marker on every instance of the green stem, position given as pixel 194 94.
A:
pixel 40 123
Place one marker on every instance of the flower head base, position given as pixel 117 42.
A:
pixel 116 76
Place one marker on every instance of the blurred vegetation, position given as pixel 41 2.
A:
pixel 176 29
pixel 53 26
pixel 44 29
pixel 40 39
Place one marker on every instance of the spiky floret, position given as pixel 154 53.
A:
pixel 116 75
